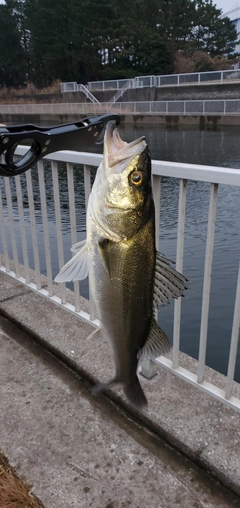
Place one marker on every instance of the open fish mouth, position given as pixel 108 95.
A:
pixel 116 150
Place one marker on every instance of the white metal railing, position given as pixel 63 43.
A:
pixel 70 86
pixel 190 78
pixel 120 92
pixel 12 190
pixel 88 94
pixel 227 107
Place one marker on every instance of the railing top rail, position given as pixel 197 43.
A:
pixel 154 77
pixel 212 174
pixel 69 104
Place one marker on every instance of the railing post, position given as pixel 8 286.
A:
pixel 57 209
pixel 71 200
pixel 148 367
pixel 87 189
pixel 3 235
pixel 234 341
pixel 45 225
pixel 12 226
pixel 156 190
pixel 207 280
pixel 179 268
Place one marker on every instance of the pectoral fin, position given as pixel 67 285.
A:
pixel 78 246
pixel 77 267
pixel 156 344
pixel 104 246
pixel 168 282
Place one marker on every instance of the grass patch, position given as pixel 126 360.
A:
pixel 28 93
pixel 15 492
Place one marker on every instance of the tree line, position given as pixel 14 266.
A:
pixel 85 40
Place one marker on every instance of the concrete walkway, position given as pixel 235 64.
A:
pixel 80 451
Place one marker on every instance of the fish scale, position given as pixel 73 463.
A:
pixel 128 279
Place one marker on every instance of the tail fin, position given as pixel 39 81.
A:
pixel 135 394
pixel 132 390
pixel 100 387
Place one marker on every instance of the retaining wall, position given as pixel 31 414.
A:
pixel 168 121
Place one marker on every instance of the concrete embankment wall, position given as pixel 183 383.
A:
pixel 168 93
pixel 163 93
pixel 168 121
pixel 173 93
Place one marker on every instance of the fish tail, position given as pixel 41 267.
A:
pixel 135 394
pixel 132 390
pixel 100 387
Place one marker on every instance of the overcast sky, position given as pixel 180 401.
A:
pixel 226 5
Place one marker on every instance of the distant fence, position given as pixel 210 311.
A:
pixel 197 107
pixel 193 78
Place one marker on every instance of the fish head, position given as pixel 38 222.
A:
pixel 124 184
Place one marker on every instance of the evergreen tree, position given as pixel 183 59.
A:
pixel 82 40
pixel 12 56
pixel 212 34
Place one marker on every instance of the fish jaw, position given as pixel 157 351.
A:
pixel 113 194
pixel 117 153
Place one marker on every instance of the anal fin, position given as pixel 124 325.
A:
pixel 156 344
pixel 169 283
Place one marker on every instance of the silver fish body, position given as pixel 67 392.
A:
pixel 127 277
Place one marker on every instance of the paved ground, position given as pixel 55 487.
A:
pixel 199 426
pixel 82 451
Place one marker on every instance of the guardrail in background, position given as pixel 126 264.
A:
pixel 191 78
pixel 11 192
pixel 190 107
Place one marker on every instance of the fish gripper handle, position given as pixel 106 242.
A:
pixel 42 141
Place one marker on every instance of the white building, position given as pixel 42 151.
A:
pixel 234 16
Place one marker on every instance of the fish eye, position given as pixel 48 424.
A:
pixel 136 178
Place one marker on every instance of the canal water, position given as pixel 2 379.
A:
pixel 216 148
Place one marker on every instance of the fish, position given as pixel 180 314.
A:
pixel 128 278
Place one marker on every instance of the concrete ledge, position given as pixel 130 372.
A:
pixel 199 426
pixel 169 121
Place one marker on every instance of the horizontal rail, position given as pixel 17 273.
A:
pixel 188 78
pixel 204 386
pixel 227 107
pixel 211 174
